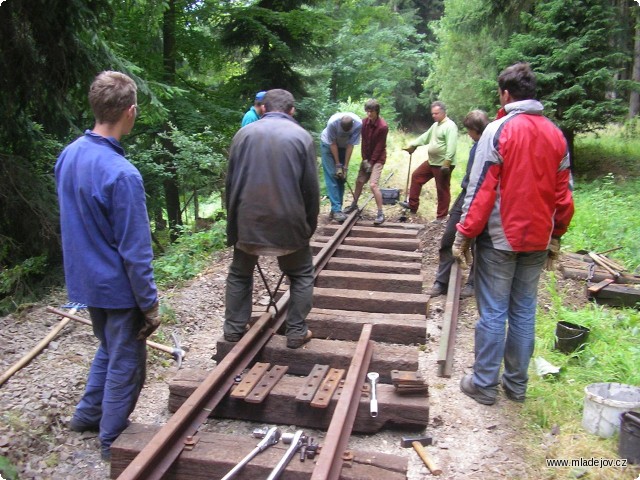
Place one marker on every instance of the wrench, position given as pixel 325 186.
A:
pixel 373 407
pixel 270 438
pixel 286 458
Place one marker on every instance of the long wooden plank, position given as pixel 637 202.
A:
pixel 373 266
pixel 398 328
pixel 215 454
pixel 376 232
pixel 370 253
pixel 369 301
pixel 402 244
pixel 335 353
pixel 405 412
pixel 618 295
pixel 382 282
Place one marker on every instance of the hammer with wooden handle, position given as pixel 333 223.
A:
pixel 177 352
pixel 417 444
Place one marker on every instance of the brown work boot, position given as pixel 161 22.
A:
pixel 297 342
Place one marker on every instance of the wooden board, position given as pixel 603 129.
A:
pixel 335 353
pixel 370 301
pixel 399 328
pixel 216 454
pixel 402 244
pixel 346 251
pixel 373 266
pixel 404 412
pixel 376 232
pixel 383 282
pixel 617 295
pixel 402 328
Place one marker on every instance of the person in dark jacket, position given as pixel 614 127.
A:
pixel 273 201
pixel 518 205
pixel 106 244
pixel 475 122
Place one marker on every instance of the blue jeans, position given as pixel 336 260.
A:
pixel 335 188
pixel 298 266
pixel 117 372
pixel 506 286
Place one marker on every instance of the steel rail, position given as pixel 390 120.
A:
pixel 450 323
pixel 155 459
pixel 330 461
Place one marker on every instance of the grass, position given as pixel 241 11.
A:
pixel 553 412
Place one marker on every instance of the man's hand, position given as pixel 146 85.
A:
pixel 410 149
pixel 151 321
pixel 366 166
pixel 460 250
pixel 553 255
pixel 340 173
pixel 446 167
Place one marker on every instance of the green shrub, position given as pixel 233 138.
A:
pixel 185 258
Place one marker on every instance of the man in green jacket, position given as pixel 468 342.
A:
pixel 441 140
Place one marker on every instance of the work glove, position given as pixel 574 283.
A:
pixel 151 321
pixel 446 167
pixel 366 166
pixel 341 174
pixel 460 250
pixel 410 149
pixel 553 255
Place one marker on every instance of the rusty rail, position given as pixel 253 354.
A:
pixel 450 323
pixel 330 460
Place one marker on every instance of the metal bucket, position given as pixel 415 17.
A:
pixel 570 337
pixel 629 442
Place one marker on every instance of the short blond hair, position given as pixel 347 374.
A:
pixel 110 94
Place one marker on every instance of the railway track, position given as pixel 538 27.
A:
pixel 369 315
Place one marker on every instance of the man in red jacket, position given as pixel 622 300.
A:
pixel 518 205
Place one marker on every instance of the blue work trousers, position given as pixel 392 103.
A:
pixel 335 187
pixel 506 289
pixel 117 372
pixel 298 266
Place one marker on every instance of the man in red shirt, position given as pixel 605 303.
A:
pixel 374 154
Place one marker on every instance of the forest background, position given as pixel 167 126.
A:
pixel 198 65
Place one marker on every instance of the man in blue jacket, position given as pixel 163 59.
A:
pixel 256 111
pixel 106 243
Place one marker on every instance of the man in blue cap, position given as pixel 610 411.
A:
pixel 256 111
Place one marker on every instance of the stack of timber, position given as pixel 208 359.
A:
pixel 607 282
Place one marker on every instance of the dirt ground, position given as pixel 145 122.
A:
pixel 471 441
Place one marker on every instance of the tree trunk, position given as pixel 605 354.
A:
pixel 171 187
pixel 634 101
pixel 570 135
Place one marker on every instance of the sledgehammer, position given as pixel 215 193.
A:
pixel 417 444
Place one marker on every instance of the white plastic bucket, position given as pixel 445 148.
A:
pixel 603 405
